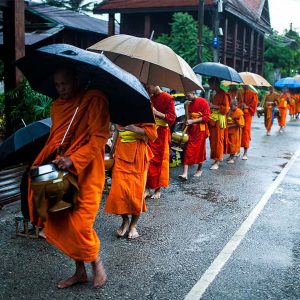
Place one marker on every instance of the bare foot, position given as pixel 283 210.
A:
pixel 198 174
pixel 156 195
pixel 123 228
pixel 42 233
pixel 99 274
pixel 133 233
pixel 147 193
pixel 76 278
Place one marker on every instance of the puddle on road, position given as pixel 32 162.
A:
pixel 210 195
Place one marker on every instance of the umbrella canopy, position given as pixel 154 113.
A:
pixel 254 79
pixel 228 83
pixel 289 82
pixel 128 100
pixel 25 143
pixel 151 62
pixel 213 69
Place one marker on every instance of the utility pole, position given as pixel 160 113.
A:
pixel 200 31
pixel 216 25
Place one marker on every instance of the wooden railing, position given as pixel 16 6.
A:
pixel 10 180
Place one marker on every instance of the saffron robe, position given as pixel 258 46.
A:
pixel 235 123
pixel 217 134
pixel 251 100
pixel 283 107
pixel 195 148
pixel 292 105
pixel 298 103
pixel 270 103
pixel 129 175
pixel 72 231
pixel 158 173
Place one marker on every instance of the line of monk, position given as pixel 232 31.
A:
pixel 141 158
pixel 279 105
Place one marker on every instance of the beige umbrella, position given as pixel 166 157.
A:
pixel 151 62
pixel 254 79
pixel 297 77
pixel 227 83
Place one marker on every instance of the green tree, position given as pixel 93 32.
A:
pixel 31 105
pixel 184 38
pixel 282 52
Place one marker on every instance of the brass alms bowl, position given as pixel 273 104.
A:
pixel 180 137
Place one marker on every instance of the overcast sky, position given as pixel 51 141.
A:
pixel 283 13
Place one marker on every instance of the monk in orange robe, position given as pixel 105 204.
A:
pixel 292 105
pixel 82 154
pixel 165 116
pixel 195 148
pixel 233 92
pixel 248 101
pixel 283 100
pixel 129 175
pixel 219 109
pixel 270 106
pixel 235 123
pixel 297 105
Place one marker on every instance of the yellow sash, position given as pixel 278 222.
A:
pixel 230 120
pixel 217 116
pixel 198 115
pixel 130 137
pixel 161 122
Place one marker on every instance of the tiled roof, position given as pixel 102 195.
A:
pixel 248 10
pixel 137 4
pixel 70 18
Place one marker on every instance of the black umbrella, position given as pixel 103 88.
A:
pixel 213 69
pixel 25 144
pixel 128 100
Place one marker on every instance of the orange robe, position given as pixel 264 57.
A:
pixel 158 173
pixel 216 137
pixel 235 123
pixel 270 103
pixel 72 231
pixel 129 175
pixel 251 100
pixel 195 148
pixel 298 103
pixel 292 105
pixel 283 107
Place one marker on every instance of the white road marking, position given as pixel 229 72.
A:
pixel 214 269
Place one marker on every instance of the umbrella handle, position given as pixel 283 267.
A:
pixel 59 150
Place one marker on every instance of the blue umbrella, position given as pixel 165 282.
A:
pixel 128 100
pixel 213 69
pixel 288 82
pixel 25 143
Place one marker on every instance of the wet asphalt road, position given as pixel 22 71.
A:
pixel 182 234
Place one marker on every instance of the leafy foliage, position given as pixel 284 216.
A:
pixel 30 105
pixel 184 38
pixel 282 52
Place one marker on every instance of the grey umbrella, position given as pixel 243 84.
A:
pixel 25 143
pixel 128 100
pixel 213 69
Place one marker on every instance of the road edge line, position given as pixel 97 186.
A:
pixel 216 266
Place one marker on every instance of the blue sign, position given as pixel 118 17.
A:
pixel 216 43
